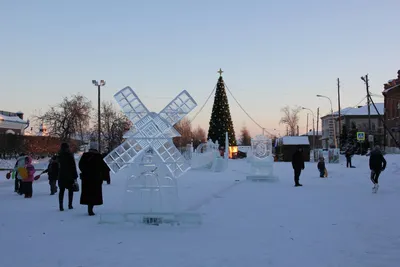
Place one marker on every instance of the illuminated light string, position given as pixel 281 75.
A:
pixel 248 115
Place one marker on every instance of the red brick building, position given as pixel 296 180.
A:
pixel 391 93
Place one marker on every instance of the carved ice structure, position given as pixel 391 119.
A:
pixel 152 160
pixel 204 155
pixel 261 159
pixel 208 156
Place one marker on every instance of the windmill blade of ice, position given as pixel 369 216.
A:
pixel 178 108
pixel 131 105
pixel 124 154
pixel 171 156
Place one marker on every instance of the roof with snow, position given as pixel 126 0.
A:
pixel 13 119
pixel 295 140
pixel 360 111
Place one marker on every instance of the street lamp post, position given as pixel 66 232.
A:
pixel 333 120
pixel 313 126
pixel 98 84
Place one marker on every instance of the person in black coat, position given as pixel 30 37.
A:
pixel 298 165
pixel 92 167
pixel 348 158
pixel 377 164
pixel 67 175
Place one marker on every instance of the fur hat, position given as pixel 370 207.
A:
pixel 93 145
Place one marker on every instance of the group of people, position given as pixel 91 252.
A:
pixel 377 164
pixel 62 169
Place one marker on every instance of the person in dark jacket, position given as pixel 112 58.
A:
pixel 91 165
pixel 321 167
pixel 67 175
pixel 377 164
pixel 348 158
pixel 52 171
pixel 298 165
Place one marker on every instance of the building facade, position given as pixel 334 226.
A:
pixel 353 116
pixel 12 123
pixel 391 93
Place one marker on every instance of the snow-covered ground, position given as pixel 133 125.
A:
pixel 327 222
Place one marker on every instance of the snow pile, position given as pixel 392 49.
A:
pixel 335 221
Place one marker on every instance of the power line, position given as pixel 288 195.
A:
pixel 355 106
pixel 208 98
pixel 237 102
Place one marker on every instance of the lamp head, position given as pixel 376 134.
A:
pixel 94 82
pixel 363 78
pixel 102 82
pixel 319 95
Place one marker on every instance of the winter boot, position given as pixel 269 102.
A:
pixel 70 199
pixel 61 201
pixel 90 210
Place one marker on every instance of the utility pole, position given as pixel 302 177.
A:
pixel 366 81
pixel 340 119
pixel 318 121
pixel 307 126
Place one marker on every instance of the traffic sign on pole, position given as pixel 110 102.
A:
pixel 361 136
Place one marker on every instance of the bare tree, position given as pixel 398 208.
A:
pixel 184 127
pixel 290 118
pixel 199 136
pixel 245 138
pixel 68 119
pixel 114 124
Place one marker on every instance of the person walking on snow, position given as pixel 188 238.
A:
pixel 52 171
pixel 321 167
pixel 67 175
pixel 377 164
pixel 348 158
pixel 298 165
pixel 92 169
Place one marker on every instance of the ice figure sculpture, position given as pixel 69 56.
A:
pixel 152 160
pixel 205 155
pixel 261 159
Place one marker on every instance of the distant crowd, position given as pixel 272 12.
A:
pixel 62 171
pixel 377 164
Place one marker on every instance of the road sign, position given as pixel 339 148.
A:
pixel 370 138
pixel 361 136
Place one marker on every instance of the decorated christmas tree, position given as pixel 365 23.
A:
pixel 221 121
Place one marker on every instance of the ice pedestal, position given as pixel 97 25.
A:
pixel 261 159
pixel 151 196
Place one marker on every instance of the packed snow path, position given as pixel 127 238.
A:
pixel 327 222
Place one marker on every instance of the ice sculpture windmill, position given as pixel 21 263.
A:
pixel 151 130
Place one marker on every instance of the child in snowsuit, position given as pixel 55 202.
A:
pixel 20 163
pixel 27 182
pixel 52 171
pixel 321 167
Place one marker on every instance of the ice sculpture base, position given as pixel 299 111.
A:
pixel 262 178
pixel 153 218
pixel 219 165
